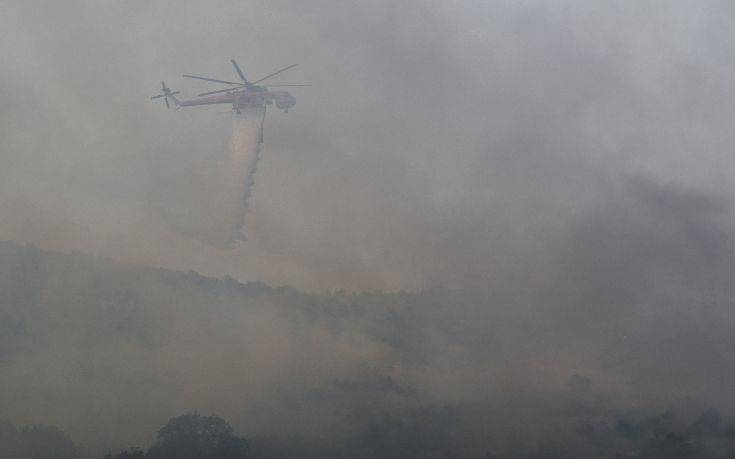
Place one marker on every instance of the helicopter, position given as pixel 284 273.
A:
pixel 241 95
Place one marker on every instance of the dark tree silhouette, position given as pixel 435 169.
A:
pixel 37 442
pixel 192 436
pixel 134 453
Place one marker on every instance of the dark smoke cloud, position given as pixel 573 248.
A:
pixel 437 144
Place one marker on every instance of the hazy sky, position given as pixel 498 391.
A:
pixel 443 143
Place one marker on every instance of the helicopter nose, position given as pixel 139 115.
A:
pixel 285 101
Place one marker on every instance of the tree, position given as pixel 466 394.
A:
pixel 134 453
pixel 192 436
pixel 42 442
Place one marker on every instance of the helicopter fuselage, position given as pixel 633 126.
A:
pixel 246 98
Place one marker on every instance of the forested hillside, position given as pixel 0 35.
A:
pixel 109 352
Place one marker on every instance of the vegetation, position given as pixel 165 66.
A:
pixel 108 352
pixel 37 442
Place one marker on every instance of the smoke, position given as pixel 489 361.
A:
pixel 437 143
pixel 482 146
pixel 107 352
pixel 220 186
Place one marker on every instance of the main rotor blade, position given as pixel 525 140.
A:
pixel 158 96
pixel 239 72
pixel 216 92
pixel 167 104
pixel 172 93
pixel 275 73
pixel 211 79
pixel 278 85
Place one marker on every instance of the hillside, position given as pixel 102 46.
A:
pixel 108 352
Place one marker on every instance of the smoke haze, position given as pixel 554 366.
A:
pixel 438 144
pixel 549 183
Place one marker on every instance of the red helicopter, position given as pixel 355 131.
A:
pixel 241 95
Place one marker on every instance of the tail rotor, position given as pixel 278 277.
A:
pixel 166 93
